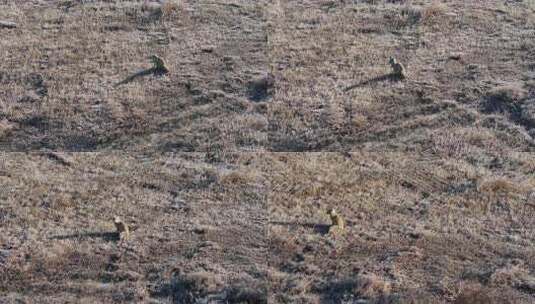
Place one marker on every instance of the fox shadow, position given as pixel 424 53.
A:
pixel 390 77
pixel 317 228
pixel 152 71
pixel 106 236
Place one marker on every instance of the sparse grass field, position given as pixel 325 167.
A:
pixel 199 228
pixel 61 63
pixel 420 229
pixel 470 64
pixel 272 112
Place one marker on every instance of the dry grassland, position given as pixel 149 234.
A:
pixel 271 113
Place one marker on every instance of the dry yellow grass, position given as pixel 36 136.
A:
pixel 422 221
pixel 59 244
pixel 271 112
pixel 64 59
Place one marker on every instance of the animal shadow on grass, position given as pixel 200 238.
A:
pixel 106 236
pixel 154 71
pixel 191 289
pixel 317 228
pixel 391 77
pixel 261 89
pixel 352 290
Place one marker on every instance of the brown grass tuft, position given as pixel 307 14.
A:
pixel 473 294
pixel 433 13
pixel 5 128
pixel 372 286
pixel 170 7
pixel 499 186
